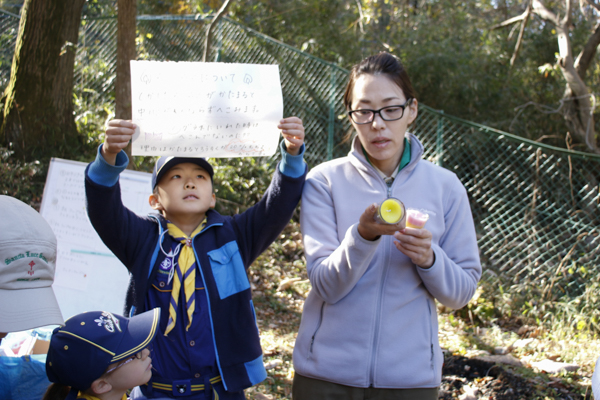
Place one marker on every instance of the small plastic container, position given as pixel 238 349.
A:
pixel 391 211
pixel 415 218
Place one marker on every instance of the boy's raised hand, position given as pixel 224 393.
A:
pixel 292 131
pixel 117 136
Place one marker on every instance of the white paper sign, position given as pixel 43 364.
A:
pixel 196 109
pixel 88 275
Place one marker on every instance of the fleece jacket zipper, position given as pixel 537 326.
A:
pixel 384 271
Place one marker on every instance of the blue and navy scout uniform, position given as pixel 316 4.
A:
pixel 222 346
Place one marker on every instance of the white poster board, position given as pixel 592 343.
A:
pixel 198 109
pixel 88 276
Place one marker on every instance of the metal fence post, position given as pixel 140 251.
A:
pixel 440 140
pixel 331 122
pixel 220 41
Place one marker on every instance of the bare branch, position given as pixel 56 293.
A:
pixel 585 58
pixel 566 21
pixel 521 32
pixel 562 28
pixel 593 4
pixel 544 13
pixel 512 31
pixel 361 16
pixel 579 114
pixel 211 27
pixel 510 21
pixel 582 115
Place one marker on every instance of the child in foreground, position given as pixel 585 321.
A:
pixel 191 262
pixel 98 355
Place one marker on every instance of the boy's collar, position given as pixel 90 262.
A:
pixel 212 217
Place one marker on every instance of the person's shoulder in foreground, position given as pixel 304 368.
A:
pixel 28 254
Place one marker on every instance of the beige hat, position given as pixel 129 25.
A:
pixel 27 264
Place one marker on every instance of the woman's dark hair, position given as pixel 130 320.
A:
pixel 56 391
pixel 380 64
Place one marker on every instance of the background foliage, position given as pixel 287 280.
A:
pixel 457 65
pixel 456 62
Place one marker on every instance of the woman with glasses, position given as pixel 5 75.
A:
pixel 369 326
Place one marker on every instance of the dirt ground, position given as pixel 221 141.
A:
pixel 477 379
pixel 280 286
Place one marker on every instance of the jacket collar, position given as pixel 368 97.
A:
pixel 359 160
pixel 213 218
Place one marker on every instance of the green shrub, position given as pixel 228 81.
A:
pixel 22 180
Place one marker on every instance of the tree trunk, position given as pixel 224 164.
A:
pixel 38 111
pixel 578 111
pixel 579 119
pixel 126 51
pixel 63 86
pixel 578 102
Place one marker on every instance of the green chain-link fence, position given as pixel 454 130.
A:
pixel 9 26
pixel 536 207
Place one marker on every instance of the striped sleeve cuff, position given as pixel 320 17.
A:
pixel 103 173
pixel 292 166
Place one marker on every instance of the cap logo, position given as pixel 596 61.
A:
pixel 31 271
pixel 109 321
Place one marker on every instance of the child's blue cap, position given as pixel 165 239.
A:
pixel 82 349
pixel 164 164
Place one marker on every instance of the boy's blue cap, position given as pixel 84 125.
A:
pixel 164 164
pixel 82 349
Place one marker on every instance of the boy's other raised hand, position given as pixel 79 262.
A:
pixel 116 138
pixel 292 131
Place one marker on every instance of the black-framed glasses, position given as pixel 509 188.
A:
pixel 389 113
pixel 137 355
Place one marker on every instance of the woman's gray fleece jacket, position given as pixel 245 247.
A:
pixel 370 319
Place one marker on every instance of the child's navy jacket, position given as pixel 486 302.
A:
pixel 224 250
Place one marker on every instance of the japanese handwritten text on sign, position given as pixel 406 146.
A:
pixel 196 109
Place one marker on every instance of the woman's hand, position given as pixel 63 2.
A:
pixel 370 229
pixel 416 244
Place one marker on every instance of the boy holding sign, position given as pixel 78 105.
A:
pixel 191 261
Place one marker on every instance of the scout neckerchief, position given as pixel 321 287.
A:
pixel 185 271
